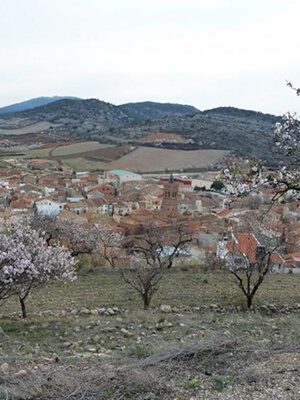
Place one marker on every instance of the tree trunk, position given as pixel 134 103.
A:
pixel 23 307
pixel 249 301
pixel 146 300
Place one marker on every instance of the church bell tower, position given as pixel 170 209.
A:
pixel 170 197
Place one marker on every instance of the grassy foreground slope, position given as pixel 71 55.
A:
pixel 91 340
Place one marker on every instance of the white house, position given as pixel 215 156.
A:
pixel 120 176
pixel 48 208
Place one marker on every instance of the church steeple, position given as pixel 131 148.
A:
pixel 170 199
pixel 171 179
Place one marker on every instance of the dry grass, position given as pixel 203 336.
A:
pixel 191 287
pixel 183 355
pixel 214 369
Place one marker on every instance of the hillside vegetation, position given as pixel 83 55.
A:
pixel 152 110
pixel 246 133
pixel 32 103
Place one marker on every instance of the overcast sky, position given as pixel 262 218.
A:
pixel 207 53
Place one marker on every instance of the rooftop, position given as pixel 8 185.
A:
pixel 122 172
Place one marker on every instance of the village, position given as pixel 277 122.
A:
pixel 127 202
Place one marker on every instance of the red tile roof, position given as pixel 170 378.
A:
pixel 246 244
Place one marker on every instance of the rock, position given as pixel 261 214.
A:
pixel 92 349
pixel 85 311
pixel 126 333
pixel 96 338
pixel 67 344
pixel 5 368
pixel 94 312
pixel 163 324
pixel 21 373
pixel 110 311
pixel 149 396
pixel 74 312
pixel 165 308
pixel 101 310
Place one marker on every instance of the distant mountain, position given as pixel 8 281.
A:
pixel 32 103
pixel 240 113
pixel 245 132
pixel 82 117
pixel 153 110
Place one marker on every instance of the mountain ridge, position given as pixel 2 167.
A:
pixel 244 132
pixel 32 103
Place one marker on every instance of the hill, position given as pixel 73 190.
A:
pixel 32 103
pixel 153 110
pixel 245 132
pixel 82 117
pixel 240 113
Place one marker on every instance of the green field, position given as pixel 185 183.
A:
pixel 131 353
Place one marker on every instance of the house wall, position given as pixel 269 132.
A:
pixel 49 208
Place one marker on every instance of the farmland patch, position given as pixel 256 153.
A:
pixel 34 128
pixel 151 159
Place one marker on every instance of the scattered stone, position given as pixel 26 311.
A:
pixel 85 311
pixel 95 312
pixel 165 308
pixel 126 332
pixel 163 324
pixel 96 338
pixel 92 349
pixel 67 344
pixel 5 368
pixel 21 373
pixel 149 396
pixel 110 311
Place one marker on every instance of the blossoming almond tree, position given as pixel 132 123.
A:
pixel 27 261
pixel 242 177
